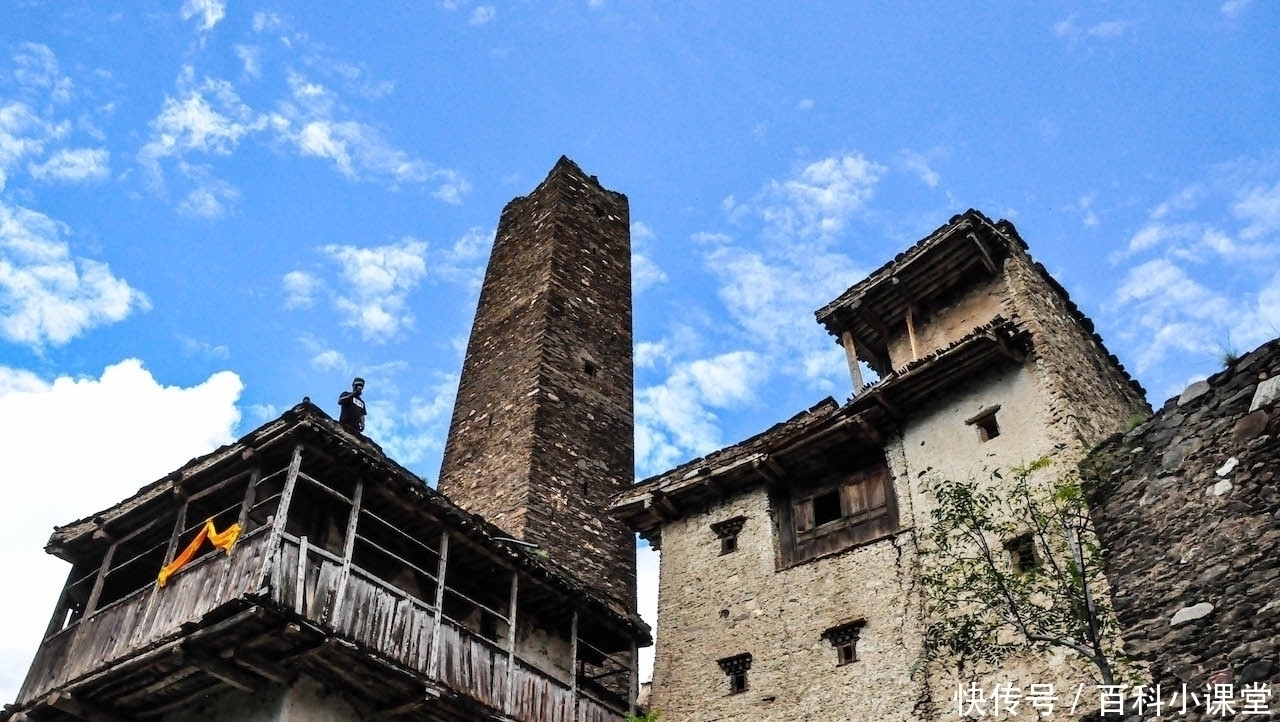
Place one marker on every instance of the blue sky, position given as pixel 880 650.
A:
pixel 212 208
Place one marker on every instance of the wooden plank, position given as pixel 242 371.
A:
pixel 511 640
pixel 282 513
pixel 434 665
pixel 347 551
pixel 226 671
pixel 851 357
pixel 300 581
pixel 96 593
pixel 250 495
pixel 573 660
pixel 911 331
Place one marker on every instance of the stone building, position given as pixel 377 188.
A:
pixel 788 586
pixel 349 589
pixel 1188 506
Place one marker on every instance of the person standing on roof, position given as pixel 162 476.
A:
pixel 352 406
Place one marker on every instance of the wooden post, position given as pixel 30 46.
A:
pixel 635 678
pixel 92 603
pixel 250 496
pixel 300 581
pixel 433 667
pixel 282 512
pixel 347 551
pixel 851 355
pixel 573 663
pixel 511 642
pixel 911 331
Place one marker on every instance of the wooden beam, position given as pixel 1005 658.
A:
pixel 347 551
pixel 573 663
pixel 766 472
pixel 891 408
pixel 300 579
pixel 226 671
pixel 282 512
pixel 1007 348
pixel 266 670
pixel 92 604
pixel 511 642
pixel 911 331
pixel 664 504
pixel 250 496
pixel 987 260
pixel 851 356
pixel 433 666
pixel 634 680
pixel 84 710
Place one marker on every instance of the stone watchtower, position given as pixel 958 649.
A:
pixel 542 434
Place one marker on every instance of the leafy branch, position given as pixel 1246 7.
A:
pixel 982 608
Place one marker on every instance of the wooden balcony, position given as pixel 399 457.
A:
pixel 281 606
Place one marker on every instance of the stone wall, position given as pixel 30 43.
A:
pixel 1188 509
pixel 713 606
pixel 542 433
pixel 1091 395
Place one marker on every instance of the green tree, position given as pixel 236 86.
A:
pixel 984 605
pixel 651 716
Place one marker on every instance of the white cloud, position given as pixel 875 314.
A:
pixel 1235 8
pixel 251 59
pixel 73 165
pixel 128 430
pixel 300 288
pixel 644 272
pixel 208 13
pixel 410 432
pixel 919 164
pixel 263 21
pixel 821 198
pixel 36 67
pixel 330 360
pixel 48 296
pixel 805 104
pixel 378 281
pixel 675 419
pixel 483 14
pixel 1107 29
pixel 464 261
pixel 210 200
pixel 1259 206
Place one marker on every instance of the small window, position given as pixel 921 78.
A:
pixel 826 508
pixel 736 668
pixel 848 653
pixel 844 637
pixel 728 531
pixel 1022 553
pixel 589 368
pixel 986 424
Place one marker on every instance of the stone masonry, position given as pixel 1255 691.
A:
pixel 1049 382
pixel 542 431
pixel 1188 508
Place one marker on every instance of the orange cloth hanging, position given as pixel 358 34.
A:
pixel 223 540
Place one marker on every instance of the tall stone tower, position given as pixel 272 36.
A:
pixel 542 434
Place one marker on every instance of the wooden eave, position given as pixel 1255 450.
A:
pixel 968 246
pixel 310 424
pixel 920 382
pixel 760 460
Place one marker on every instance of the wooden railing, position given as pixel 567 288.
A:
pixel 145 617
pixel 392 623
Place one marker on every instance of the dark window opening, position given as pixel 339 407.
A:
pixel 728 531
pixel 847 653
pixel 589 368
pixel 736 668
pixel 826 508
pixel 1022 553
pixel 844 637
pixel 985 422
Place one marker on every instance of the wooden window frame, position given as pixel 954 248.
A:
pixel 986 423
pixel 869 512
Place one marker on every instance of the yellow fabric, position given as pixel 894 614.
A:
pixel 223 540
